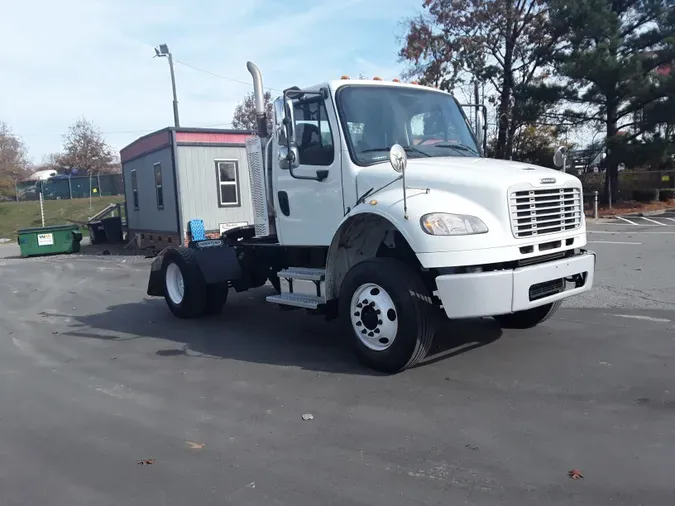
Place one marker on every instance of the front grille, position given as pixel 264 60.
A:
pixel 545 211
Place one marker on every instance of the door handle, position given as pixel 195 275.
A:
pixel 284 204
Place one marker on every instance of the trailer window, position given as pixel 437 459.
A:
pixel 227 174
pixel 158 186
pixel 134 188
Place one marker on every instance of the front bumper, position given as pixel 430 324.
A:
pixel 508 291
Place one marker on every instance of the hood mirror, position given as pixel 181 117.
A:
pixel 560 158
pixel 399 161
pixel 398 158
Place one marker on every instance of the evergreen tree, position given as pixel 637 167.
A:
pixel 612 49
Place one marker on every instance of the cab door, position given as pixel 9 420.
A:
pixel 308 198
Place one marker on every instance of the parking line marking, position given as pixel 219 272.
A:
pixel 653 221
pixel 612 242
pixel 627 221
pixel 666 218
pixel 638 232
pixel 648 318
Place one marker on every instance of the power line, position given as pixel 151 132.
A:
pixel 223 77
pixel 121 132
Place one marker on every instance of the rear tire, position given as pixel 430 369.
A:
pixel 185 290
pixel 528 318
pixel 386 308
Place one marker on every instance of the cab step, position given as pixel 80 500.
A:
pixel 303 274
pixel 296 299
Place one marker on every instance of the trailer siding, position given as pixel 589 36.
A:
pixel 199 185
pixel 149 216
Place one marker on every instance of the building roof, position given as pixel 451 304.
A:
pixel 183 135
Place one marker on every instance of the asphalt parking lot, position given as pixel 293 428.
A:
pixel 97 377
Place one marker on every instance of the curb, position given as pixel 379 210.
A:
pixel 650 213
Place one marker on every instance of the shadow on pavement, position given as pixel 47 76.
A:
pixel 251 330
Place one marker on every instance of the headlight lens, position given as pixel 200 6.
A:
pixel 452 224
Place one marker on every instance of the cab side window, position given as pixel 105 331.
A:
pixel 313 135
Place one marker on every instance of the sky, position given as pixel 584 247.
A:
pixel 94 58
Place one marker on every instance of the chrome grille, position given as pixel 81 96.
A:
pixel 545 211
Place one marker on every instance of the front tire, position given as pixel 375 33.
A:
pixel 389 314
pixel 528 318
pixel 184 287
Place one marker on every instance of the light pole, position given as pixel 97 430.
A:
pixel 163 50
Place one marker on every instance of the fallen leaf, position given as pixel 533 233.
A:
pixel 251 485
pixel 146 462
pixel 575 474
pixel 195 446
pixel 308 416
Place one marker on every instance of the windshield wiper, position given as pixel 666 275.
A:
pixel 408 149
pixel 459 147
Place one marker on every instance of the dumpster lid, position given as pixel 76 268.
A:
pixel 53 228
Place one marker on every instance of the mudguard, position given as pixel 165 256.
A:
pixel 216 260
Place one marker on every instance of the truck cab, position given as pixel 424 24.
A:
pixel 375 204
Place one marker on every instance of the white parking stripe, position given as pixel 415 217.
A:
pixel 628 232
pixel 612 242
pixel 641 317
pixel 653 221
pixel 627 221
pixel 666 218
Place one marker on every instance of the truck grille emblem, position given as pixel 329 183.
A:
pixel 547 180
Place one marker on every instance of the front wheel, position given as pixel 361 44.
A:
pixel 389 314
pixel 528 318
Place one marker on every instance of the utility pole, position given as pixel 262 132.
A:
pixel 163 50
pixel 476 99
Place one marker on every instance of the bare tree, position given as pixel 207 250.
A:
pixel 14 163
pixel 85 149
pixel 503 42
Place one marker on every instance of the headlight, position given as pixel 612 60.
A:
pixel 452 224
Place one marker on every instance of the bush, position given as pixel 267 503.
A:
pixel 667 194
pixel 646 196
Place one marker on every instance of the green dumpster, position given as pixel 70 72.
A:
pixel 58 239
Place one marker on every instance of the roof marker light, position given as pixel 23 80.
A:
pixel 344 77
pixel 377 78
pixel 396 80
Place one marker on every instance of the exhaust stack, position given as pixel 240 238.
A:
pixel 259 95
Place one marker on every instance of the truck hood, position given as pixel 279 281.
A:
pixel 464 184
pixel 467 172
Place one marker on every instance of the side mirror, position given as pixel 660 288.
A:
pixel 289 158
pixel 289 121
pixel 279 115
pixel 480 128
pixel 398 158
pixel 560 157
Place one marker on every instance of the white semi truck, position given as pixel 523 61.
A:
pixel 374 205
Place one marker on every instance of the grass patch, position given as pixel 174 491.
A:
pixel 17 215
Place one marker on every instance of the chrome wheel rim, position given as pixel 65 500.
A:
pixel 374 317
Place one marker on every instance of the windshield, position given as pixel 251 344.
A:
pixel 426 123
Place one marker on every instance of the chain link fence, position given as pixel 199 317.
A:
pixel 103 185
